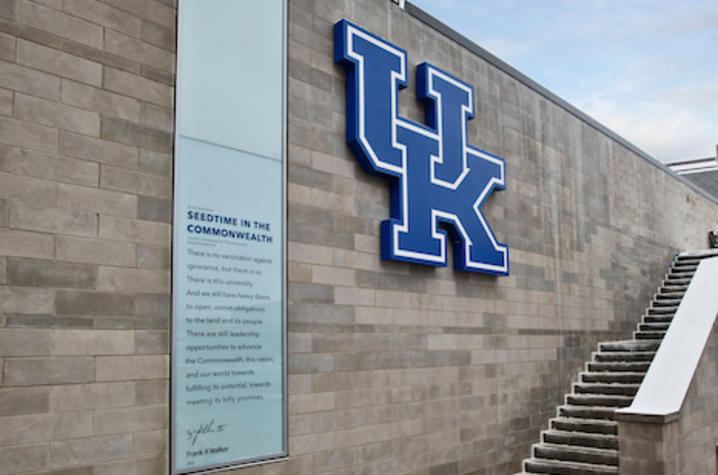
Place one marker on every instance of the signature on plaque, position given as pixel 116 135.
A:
pixel 206 428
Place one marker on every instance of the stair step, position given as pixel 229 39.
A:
pixel 657 318
pixel 653 326
pixel 570 453
pixel 606 388
pixel 558 467
pixel 595 400
pixel 688 260
pixel 680 275
pixel 627 356
pixel 649 335
pixel 627 345
pixel 628 377
pixel 586 439
pixel 688 255
pixel 618 366
pixel 584 425
pixel 675 281
pixel 670 295
pixel 587 412
pixel 661 310
pixel 672 289
pixel 663 307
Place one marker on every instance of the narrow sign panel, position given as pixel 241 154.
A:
pixel 228 330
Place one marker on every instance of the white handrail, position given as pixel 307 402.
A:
pixel 669 377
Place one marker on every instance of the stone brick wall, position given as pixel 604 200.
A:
pixel 397 368
pixel 86 107
pixel 393 368
pixel 687 444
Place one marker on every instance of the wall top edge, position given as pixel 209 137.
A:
pixel 644 418
pixel 463 41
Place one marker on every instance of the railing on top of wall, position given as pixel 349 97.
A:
pixel 664 388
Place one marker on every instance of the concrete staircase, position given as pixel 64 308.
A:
pixel 582 438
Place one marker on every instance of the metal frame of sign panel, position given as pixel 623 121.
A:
pixel 284 455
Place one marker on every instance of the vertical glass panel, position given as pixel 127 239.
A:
pixel 228 319
pixel 231 73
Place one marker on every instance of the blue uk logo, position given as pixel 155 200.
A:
pixel 437 178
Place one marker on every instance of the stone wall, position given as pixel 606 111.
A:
pixel 685 445
pixel 86 107
pixel 398 368
pixel 393 368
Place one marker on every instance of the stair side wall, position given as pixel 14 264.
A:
pixel 683 446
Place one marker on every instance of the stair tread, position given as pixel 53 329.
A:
pixel 664 308
pixel 598 400
pixel 586 467
pixel 685 265
pixel 592 435
pixel 615 373
pixel 574 453
pixel 595 426
pixel 605 388
pixel 611 376
pixel 580 439
pixel 624 353
pixel 584 425
pixel 658 318
pixel 674 290
pixel 577 448
pixel 697 254
pixel 584 421
pixel 581 407
pixel 618 366
pixel 590 412
pixel 656 335
pixel 626 346
pixel 617 385
pixel 668 296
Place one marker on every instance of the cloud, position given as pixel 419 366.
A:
pixel 644 68
pixel 672 125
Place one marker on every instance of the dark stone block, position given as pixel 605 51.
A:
pixel 127 132
pixel 154 209
pixel 44 273
pixel 105 304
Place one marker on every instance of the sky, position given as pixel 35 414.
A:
pixel 646 69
